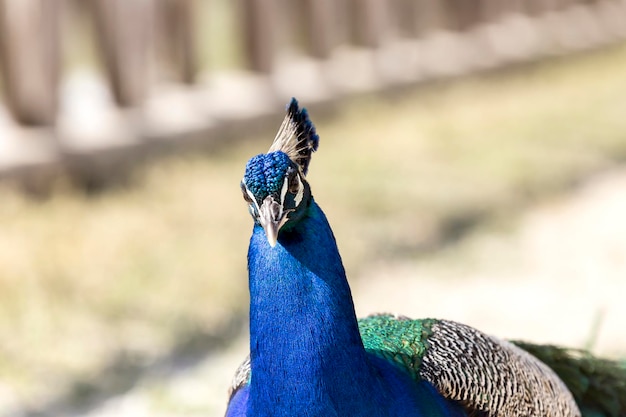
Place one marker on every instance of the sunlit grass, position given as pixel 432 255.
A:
pixel 133 268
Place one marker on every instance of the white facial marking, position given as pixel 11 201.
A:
pixel 283 191
pixel 300 193
pixel 251 196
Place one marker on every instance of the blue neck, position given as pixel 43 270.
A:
pixel 301 312
pixel 306 352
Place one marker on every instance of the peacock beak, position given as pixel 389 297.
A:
pixel 272 218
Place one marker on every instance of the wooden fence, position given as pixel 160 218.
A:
pixel 155 88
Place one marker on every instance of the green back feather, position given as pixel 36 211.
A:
pixel 397 339
pixel 598 385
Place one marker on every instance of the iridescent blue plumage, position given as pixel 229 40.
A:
pixel 265 173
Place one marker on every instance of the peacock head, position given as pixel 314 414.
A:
pixel 274 184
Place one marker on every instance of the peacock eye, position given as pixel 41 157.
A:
pixel 294 184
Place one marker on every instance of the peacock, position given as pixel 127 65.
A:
pixel 311 357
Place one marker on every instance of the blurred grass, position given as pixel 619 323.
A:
pixel 83 277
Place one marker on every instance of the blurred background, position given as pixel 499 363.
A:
pixel 472 166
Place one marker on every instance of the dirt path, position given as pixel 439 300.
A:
pixel 557 275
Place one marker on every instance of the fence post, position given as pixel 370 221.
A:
pixel 516 6
pixel 492 9
pixel 124 32
pixel 469 14
pixel 555 5
pixel 430 16
pixel 536 7
pixel 29 59
pixel 563 4
pixel 176 31
pixel 367 21
pixel 319 23
pixel 461 15
pixel 405 17
pixel 260 20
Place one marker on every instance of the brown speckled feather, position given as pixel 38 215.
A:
pixel 492 376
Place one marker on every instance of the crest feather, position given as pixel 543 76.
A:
pixel 296 136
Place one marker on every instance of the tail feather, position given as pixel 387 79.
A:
pixel 598 385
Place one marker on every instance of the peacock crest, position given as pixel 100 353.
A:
pixel 296 136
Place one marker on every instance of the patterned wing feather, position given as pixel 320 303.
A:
pixel 598 385
pixel 491 375
pixel 241 378
pixel 296 136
